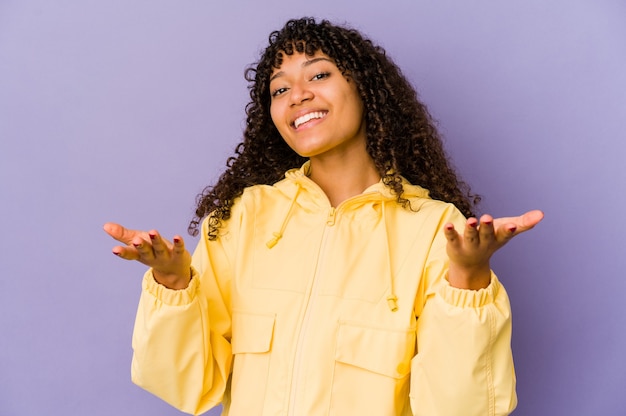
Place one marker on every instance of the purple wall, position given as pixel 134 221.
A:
pixel 123 111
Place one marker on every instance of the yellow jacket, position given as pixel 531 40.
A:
pixel 302 309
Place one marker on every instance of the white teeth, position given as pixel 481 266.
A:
pixel 308 117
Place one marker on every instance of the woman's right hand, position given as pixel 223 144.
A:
pixel 170 262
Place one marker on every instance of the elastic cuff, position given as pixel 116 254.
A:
pixel 465 298
pixel 170 296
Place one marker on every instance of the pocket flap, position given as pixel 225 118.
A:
pixel 252 333
pixel 382 351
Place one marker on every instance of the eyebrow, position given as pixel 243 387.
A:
pixel 304 65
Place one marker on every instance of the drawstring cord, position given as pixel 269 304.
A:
pixel 278 235
pixel 392 299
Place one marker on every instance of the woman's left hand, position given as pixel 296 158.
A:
pixel 470 252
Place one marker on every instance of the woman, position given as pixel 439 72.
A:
pixel 330 278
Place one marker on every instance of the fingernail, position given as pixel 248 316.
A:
pixel 152 236
pixel 137 245
pixel 513 229
pixel 116 253
pixel 176 240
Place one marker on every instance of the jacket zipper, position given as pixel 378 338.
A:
pixel 310 301
pixel 330 221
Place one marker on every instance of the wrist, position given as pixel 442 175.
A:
pixel 174 281
pixel 469 277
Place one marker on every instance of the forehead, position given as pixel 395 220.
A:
pixel 283 59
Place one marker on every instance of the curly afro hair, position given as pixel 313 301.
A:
pixel 402 139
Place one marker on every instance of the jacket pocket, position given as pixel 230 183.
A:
pixel 372 367
pixel 251 345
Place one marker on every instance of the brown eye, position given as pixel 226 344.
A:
pixel 321 75
pixel 278 92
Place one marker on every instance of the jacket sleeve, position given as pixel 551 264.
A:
pixel 464 364
pixel 181 339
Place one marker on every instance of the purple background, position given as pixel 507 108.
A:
pixel 123 111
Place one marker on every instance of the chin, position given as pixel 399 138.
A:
pixel 305 152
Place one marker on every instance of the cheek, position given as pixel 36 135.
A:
pixel 352 100
pixel 356 110
pixel 277 120
pixel 274 114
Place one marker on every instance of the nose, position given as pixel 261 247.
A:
pixel 300 93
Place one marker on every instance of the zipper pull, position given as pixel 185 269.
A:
pixel 331 217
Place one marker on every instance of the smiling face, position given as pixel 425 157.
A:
pixel 316 109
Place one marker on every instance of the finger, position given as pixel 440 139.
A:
pixel 523 222
pixel 144 249
pixel 126 252
pixel 121 234
pixel 512 226
pixel 506 231
pixel 470 235
pixel 179 246
pixel 451 234
pixel 159 246
pixel 486 230
pixel 530 219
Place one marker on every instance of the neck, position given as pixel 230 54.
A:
pixel 341 179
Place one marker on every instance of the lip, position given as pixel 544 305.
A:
pixel 301 113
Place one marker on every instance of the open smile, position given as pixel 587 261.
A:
pixel 315 115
